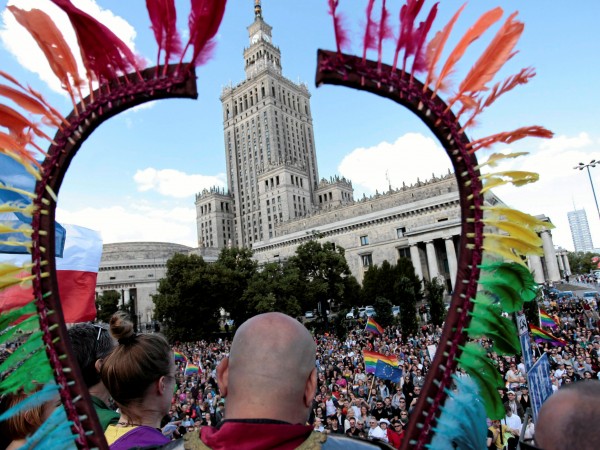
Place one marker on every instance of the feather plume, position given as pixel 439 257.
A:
pixel 516 230
pixel 384 32
pixel 462 424
pixel 104 55
pixel 474 33
pixel 341 35
pixel 52 43
pixel 508 137
pixel 47 393
pixel 369 41
pixel 509 247
pixel 436 47
pixel 17 123
pixel 514 275
pixel 54 433
pixel 492 59
pixel 475 361
pixel 163 16
pixel 517 178
pixel 419 61
pixel 408 14
pixel 28 103
pixel 495 158
pixel 205 18
pixel 513 215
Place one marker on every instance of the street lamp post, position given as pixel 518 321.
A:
pixel 587 166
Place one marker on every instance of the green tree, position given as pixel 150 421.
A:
pixel 434 295
pixel 352 293
pixel 274 288
pixel 322 268
pixel 407 292
pixel 383 310
pixel 107 304
pixel 581 262
pixel 187 303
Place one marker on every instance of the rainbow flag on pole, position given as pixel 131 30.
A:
pixel 373 327
pixel 546 320
pixel 540 335
pixel 371 359
pixel 191 370
pixel 179 357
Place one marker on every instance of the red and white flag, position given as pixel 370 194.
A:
pixel 76 273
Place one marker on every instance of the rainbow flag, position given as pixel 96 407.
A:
pixel 190 370
pixel 373 327
pixel 540 335
pixel 371 359
pixel 546 320
pixel 179 356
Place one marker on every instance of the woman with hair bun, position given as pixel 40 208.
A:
pixel 140 376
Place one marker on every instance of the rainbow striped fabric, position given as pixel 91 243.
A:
pixel 373 327
pixel 546 320
pixel 371 359
pixel 179 356
pixel 540 335
pixel 191 369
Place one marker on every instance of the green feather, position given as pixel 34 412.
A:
pixel 513 275
pixel 33 344
pixel 28 325
pixel 487 321
pixel 8 317
pixel 37 364
pixel 509 298
pixel 475 361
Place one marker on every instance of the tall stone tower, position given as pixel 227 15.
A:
pixel 269 143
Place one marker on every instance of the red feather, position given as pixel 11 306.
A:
pixel 385 31
pixel 369 41
pixel 205 18
pixel 419 62
pixel 509 137
pixel 341 35
pixel 163 16
pixel 104 55
pixel 408 14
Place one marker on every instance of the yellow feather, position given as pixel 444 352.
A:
pixel 514 244
pixel 492 246
pixel 24 229
pixel 512 215
pixel 8 269
pixel 516 230
pixel 493 160
pixel 518 178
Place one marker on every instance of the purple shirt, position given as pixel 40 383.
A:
pixel 141 436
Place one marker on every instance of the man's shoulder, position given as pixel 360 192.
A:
pixel 344 442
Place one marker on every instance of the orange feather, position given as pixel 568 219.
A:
pixel 53 44
pixel 493 58
pixel 27 102
pixel 436 47
pixel 474 33
pixel 509 137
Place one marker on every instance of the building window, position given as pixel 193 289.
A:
pixel 400 232
pixel 364 240
pixel 367 260
pixel 404 252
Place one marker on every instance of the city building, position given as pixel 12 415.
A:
pixel 580 231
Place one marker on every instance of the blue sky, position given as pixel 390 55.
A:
pixel 136 177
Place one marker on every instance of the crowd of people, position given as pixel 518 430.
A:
pixel 158 399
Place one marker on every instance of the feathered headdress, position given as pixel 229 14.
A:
pixel 42 365
pixel 492 274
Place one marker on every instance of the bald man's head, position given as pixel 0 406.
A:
pixel 270 369
pixel 568 419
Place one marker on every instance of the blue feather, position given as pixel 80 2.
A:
pixel 48 393
pixel 55 433
pixel 462 424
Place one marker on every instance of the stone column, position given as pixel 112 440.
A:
pixel 550 256
pixel 567 265
pixel 452 262
pixel 561 266
pixel 415 257
pixel 431 260
pixel 535 265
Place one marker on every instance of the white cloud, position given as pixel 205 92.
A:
pixel 174 183
pixel 20 43
pixel 402 161
pixel 136 224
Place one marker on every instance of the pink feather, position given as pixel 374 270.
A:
pixel 408 14
pixel 385 31
pixel 205 18
pixel 104 54
pixel 369 41
pixel 163 16
pixel 419 62
pixel 341 35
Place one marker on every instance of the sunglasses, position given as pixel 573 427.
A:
pixel 100 329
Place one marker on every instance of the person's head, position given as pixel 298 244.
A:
pixel 372 422
pixel 511 395
pixel 383 423
pixel 91 344
pixel 397 426
pixel 263 348
pixel 568 419
pixel 140 372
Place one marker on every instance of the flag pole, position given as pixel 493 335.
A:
pixel 371 388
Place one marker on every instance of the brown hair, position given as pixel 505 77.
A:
pixel 137 362
pixel 20 425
